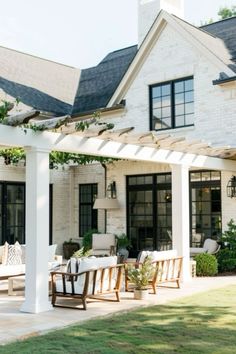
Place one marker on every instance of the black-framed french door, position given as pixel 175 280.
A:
pixel 149 212
pixel 12 212
pixel 205 206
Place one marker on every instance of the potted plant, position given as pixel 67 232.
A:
pixel 69 248
pixel 140 277
pixel 122 244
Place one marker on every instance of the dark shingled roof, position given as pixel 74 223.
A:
pixel 98 84
pixel 35 98
pixel 226 30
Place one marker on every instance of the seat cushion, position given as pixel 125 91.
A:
pixel 197 250
pixel 210 245
pixel 10 270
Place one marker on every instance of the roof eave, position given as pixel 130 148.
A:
pixel 117 108
pixel 224 81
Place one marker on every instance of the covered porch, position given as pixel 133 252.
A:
pixel 38 146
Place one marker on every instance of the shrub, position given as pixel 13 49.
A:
pixel 206 264
pixel 122 241
pixel 226 260
pixel 82 253
pixel 229 236
pixel 87 239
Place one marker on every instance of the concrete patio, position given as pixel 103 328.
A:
pixel 17 325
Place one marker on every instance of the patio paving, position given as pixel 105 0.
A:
pixel 17 325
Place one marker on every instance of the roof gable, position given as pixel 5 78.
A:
pixel 210 46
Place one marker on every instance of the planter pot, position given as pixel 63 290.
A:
pixel 69 249
pixel 123 253
pixel 142 294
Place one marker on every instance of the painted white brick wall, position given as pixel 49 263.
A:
pixel 172 58
pixel 61 198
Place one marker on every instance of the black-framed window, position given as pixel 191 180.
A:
pixel 205 206
pixel 172 104
pixel 149 210
pixel 88 217
pixel 12 212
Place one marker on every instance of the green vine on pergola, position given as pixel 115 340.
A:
pixel 13 156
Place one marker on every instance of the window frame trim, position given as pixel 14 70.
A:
pixel 172 100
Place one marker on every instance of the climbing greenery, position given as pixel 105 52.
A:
pixel 13 156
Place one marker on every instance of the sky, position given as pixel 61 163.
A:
pixel 81 32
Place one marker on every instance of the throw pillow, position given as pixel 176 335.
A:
pixel 5 253
pixel 1 252
pixel 52 252
pixel 23 249
pixel 14 254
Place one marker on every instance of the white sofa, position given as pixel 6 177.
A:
pixel 11 270
pixel 86 278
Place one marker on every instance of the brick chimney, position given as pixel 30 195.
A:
pixel 149 9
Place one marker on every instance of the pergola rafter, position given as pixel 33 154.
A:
pixel 99 140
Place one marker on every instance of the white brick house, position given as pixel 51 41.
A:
pixel 179 82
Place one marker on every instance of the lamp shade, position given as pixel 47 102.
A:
pixel 106 203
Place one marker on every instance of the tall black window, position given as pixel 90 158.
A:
pixel 172 104
pixel 87 215
pixel 12 212
pixel 205 198
pixel 149 212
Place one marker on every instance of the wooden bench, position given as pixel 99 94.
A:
pixel 165 271
pixel 92 283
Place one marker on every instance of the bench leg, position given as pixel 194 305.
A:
pixel 84 303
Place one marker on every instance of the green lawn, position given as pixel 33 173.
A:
pixel 204 323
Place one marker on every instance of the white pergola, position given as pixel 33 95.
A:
pixel 177 152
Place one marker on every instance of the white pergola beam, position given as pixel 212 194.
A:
pixel 10 136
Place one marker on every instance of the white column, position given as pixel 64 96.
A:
pixel 37 231
pixel 180 215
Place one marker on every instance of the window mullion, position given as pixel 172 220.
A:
pixel 172 105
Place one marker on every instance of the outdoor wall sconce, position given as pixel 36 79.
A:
pixel 168 197
pixel 231 187
pixel 111 190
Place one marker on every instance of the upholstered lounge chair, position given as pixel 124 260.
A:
pixel 103 244
pixel 210 246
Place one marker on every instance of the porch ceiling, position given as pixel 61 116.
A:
pixel 119 143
